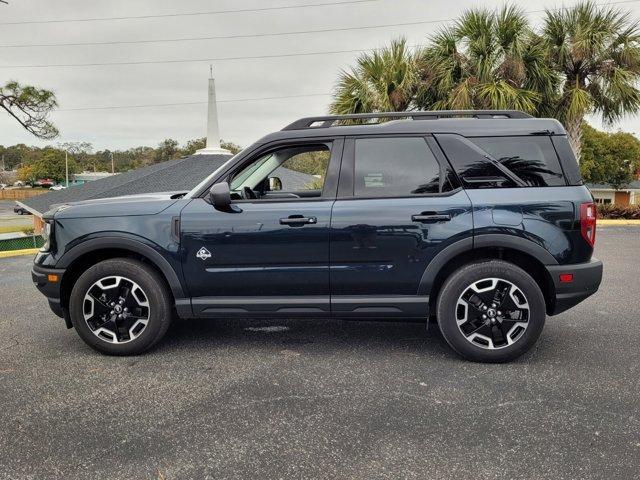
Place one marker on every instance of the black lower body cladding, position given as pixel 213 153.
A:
pixel 580 282
pixel 43 278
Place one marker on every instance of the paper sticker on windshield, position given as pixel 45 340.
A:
pixel 203 254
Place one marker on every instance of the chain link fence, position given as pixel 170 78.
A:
pixel 22 242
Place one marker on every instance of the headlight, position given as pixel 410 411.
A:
pixel 47 234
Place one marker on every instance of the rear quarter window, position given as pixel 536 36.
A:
pixel 471 164
pixel 533 159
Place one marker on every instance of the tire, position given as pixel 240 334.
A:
pixel 146 307
pixel 499 336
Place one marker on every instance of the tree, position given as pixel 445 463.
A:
pixel 596 50
pixel 52 165
pixel 84 158
pixel 193 145
pixel 27 174
pixel 609 158
pixel 383 81
pixel 196 144
pixel 6 177
pixel 232 147
pixel 30 107
pixel 486 60
pixel 167 149
pixel 78 149
pixel 584 60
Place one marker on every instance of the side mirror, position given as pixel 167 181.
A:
pixel 220 198
pixel 275 184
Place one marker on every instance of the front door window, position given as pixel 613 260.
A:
pixel 289 172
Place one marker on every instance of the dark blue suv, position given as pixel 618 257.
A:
pixel 478 219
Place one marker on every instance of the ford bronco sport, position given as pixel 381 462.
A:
pixel 477 218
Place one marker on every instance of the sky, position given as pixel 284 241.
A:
pixel 245 87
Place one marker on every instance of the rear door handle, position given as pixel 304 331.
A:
pixel 297 220
pixel 431 217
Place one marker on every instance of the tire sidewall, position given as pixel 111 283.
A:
pixel 151 284
pixel 469 274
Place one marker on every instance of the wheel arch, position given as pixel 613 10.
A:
pixel 516 251
pixel 90 252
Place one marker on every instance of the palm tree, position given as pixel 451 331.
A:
pixel 486 60
pixel 597 52
pixel 382 81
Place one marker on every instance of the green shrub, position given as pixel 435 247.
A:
pixel 619 211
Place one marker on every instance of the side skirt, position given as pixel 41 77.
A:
pixel 374 306
pixel 226 307
pixel 338 306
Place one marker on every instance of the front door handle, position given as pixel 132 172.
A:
pixel 297 220
pixel 431 217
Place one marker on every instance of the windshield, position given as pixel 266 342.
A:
pixel 204 182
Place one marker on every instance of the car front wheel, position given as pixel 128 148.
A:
pixel 120 306
pixel 491 311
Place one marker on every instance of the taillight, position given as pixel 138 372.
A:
pixel 588 222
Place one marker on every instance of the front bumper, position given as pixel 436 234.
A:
pixel 43 279
pixel 586 280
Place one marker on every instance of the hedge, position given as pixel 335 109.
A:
pixel 608 210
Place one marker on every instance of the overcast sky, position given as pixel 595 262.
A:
pixel 312 77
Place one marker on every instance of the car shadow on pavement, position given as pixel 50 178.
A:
pixel 308 334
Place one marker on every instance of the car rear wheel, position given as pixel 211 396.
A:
pixel 120 307
pixel 491 311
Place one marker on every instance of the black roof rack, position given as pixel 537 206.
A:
pixel 329 120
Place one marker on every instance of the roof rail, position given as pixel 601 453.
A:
pixel 329 120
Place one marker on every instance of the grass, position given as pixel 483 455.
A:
pixel 15 228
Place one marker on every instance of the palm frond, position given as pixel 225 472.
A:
pixel 597 49
pixel 383 80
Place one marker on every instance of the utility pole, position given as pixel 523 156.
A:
pixel 113 170
pixel 66 168
pixel 3 169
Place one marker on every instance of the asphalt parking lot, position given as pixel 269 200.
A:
pixel 324 399
pixel 6 208
pixel 9 218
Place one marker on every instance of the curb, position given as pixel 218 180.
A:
pixel 16 253
pixel 617 222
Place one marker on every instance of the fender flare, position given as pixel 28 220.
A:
pixel 440 260
pixel 514 242
pixel 125 243
pixel 481 241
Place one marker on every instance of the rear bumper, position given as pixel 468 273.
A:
pixel 586 280
pixel 50 289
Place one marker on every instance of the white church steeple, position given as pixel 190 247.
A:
pixel 213 134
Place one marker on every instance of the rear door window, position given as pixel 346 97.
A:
pixel 395 167
pixel 533 159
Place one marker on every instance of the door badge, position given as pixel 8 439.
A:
pixel 203 254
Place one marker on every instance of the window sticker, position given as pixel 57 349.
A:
pixel 373 180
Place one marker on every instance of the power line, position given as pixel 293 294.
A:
pixel 185 14
pixel 194 60
pixel 224 37
pixel 235 100
pixel 258 35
